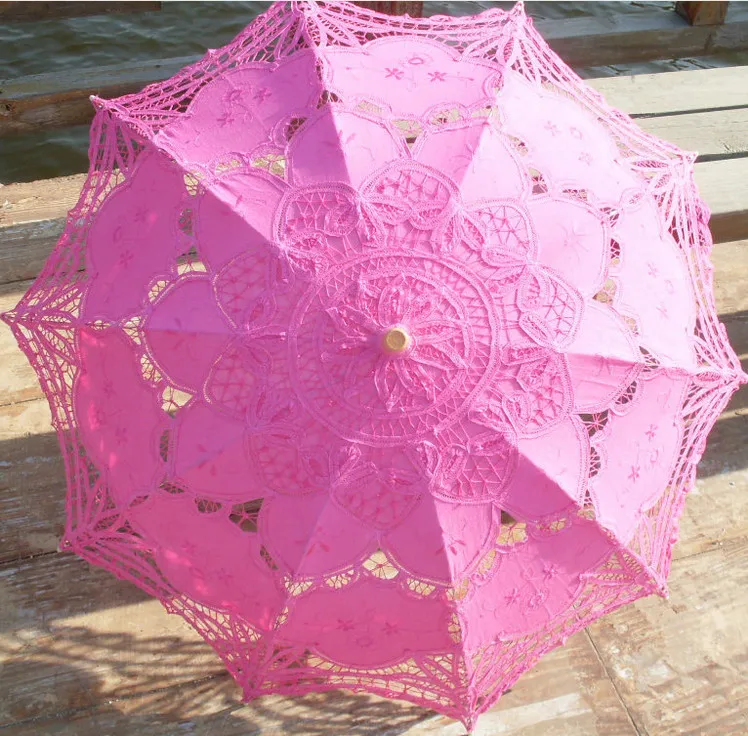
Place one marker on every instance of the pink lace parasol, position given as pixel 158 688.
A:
pixel 381 350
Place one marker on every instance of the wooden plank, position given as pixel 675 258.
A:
pixel 713 133
pixel 642 35
pixel 681 665
pixel 72 635
pixel 16 12
pixel 18 380
pixel 413 8
pixel 669 92
pixel 39 200
pixel 61 98
pixel 702 13
pixel 32 215
pixel 106 661
pixel 32 482
pixel 32 218
pixel 719 183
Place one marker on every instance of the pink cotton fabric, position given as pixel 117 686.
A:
pixel 422 525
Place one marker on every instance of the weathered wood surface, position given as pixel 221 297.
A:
pixel 60 99
pixel 714 133
pixel 681 665
pixel 102 649
pixel 719 184
pixel 667 93
pixel 413 8
pixel 642 35
pixel 16 12
pixel 702 13
pixel 72 636
pixel 32 482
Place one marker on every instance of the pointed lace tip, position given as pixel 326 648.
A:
pixel 8 317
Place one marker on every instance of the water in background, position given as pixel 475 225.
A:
pixel 184 29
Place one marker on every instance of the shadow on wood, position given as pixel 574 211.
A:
pixel 196 699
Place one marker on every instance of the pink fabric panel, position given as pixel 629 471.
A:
pixel 241 109
pixel 640 451
pixel 533 582
pixel 187 332
pixel 410 76
pixel 655 287
pixel 374 624
pixel 134 238
pixel 206 556
pixel 118 416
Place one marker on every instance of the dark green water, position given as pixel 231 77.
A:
pixel 178 29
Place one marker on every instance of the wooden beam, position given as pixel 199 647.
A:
pixel 702 13
pixel 622 38
pixel 666 93
pixel 719 185
pixel 717 133
pixel 413 8
pixel 60 99
pixel 16 12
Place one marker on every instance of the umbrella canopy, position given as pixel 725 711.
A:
pixel 381 350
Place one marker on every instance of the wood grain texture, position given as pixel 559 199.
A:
pixel 60 99
pixel 712 133
pixel 32 218
pixel 669 92
pixel 18 381
pixel 17 12
pixel 722 186
pixel 681 665
pixel 32 482
pixel 211 708
pixel 702 13
pixel 642 35
pixel 413 8
pixel 72 636
pixel 105 657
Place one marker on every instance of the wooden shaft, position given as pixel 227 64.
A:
pixel 703 13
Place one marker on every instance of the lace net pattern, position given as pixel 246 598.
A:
pixel 424 523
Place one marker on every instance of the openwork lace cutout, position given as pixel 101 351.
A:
pixel 381 350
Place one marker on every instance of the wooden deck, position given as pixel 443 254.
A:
pixel 83 654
